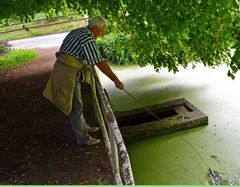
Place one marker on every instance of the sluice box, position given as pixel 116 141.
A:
pixel 172 116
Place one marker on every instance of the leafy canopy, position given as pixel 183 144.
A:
pixel 164 33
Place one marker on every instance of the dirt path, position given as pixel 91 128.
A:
pixel 37 145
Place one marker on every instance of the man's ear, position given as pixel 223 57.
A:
pixel 94 28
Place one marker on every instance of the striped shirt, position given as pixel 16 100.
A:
pixel 81 44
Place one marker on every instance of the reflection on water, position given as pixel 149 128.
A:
pixel 167 159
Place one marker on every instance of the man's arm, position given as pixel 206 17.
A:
pixel 105 68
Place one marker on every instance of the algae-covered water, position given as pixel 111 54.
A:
pixel 169 159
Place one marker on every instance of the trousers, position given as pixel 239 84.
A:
pixel 77 120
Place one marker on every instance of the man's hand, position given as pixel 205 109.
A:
pixel 105 68
pixel 119 85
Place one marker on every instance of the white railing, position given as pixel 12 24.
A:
pixel 114 143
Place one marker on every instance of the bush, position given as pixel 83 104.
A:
pixel 4 47
pixel 115 48
pixel 16 58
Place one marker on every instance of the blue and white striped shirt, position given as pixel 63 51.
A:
pixel 81 44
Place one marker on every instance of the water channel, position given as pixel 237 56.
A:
pixel 168 159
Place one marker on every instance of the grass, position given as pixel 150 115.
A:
pixel 45 30
pixel 16 58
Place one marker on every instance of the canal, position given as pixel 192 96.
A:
pixel 169 159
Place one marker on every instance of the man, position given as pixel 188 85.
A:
pixel 78 54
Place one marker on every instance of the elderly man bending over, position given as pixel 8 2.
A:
pixel 78 54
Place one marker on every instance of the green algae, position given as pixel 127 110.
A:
pixel 168 159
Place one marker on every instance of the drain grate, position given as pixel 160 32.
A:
pixel 174 116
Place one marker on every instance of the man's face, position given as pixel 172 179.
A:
pixel 98 32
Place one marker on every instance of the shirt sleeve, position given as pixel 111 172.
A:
pixel 91 53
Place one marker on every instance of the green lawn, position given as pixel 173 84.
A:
pixel 16 58
pixel 58 28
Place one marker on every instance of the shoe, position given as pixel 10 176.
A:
pixel 92 129
pixel 91 141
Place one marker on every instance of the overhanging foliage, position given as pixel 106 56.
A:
pixel 164 33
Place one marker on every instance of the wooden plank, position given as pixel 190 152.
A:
pixel 123 154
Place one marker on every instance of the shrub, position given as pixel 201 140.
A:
pixel 115 48
pixel 4 47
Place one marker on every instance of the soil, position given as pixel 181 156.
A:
pixel 37 144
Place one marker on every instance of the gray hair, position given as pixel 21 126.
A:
pixel 98 21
